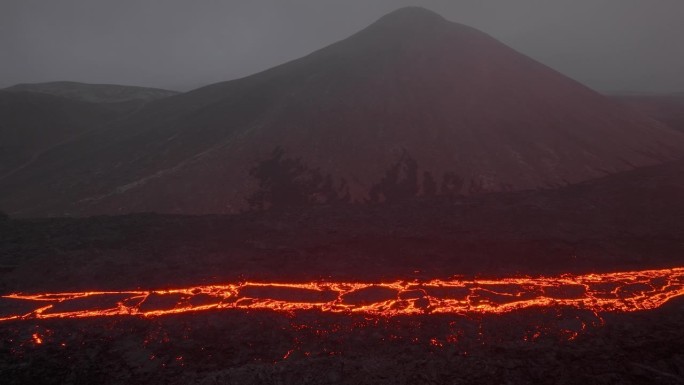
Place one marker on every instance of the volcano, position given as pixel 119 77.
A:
pixel 453 98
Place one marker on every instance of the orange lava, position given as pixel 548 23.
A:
pixel 610 292
pixel 36 339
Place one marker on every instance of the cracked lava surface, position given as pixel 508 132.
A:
pixel 606 292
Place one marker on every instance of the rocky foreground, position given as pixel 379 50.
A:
pixel 536 346
pixel 624 222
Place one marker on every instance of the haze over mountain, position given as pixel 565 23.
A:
pixel 117 97
pixel 95 93
pixel 452 97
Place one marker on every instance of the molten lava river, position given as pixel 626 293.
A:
pixel 609 292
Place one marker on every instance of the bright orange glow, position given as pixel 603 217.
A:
pixel 610 292
pixel 36 339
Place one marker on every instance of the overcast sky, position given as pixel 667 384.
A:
pixel 610 45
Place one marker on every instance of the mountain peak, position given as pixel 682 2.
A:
pixel 411 16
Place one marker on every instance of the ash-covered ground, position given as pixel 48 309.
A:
pixel 631 221
pixel 536 346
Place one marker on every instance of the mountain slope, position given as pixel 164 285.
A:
pixel 452 97
pixel 668 109
pixel 31 123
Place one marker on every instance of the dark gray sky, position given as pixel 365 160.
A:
pixel 610 45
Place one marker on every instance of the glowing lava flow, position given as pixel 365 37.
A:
pixel 624 291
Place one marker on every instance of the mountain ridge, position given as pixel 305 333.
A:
pixel 94 93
